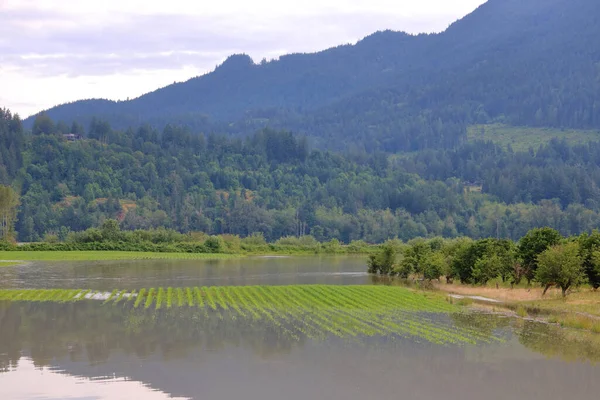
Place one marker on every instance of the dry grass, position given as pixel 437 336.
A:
pixel 577 322
pixel 583 302
pixel 503 294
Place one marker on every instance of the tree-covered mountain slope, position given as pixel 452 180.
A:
pixel 523 62
pixel 272 183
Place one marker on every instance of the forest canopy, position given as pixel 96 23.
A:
pixel 272 182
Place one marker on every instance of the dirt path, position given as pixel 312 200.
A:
pixel 506 295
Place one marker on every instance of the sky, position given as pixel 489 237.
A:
pixel 57 51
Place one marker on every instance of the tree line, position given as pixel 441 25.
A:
pixel 272 182
pixel 543 255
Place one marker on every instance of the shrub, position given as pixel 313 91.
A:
pixel 358 246
pixel 214 244
pixel 256 239
pixel 333 246
pixel 233 243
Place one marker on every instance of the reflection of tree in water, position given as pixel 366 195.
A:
pixel 553 341
pixel 549 340
pixel 486 324
pixel 87 330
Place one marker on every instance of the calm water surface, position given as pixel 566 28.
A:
pixel 108 275
pixel 87 350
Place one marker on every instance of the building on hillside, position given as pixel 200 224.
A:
pixel 72 137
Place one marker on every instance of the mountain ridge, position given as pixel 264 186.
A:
pixel 500 63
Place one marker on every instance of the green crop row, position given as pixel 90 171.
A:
pixel 314 311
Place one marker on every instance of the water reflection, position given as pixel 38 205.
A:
pixel 184 354
pixel 555 342
pixel 88 331
pixel 55 384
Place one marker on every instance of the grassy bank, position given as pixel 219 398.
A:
pixel 102 255
pixel 580 310
pixel 4 263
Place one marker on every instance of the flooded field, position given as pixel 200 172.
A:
pixel 268 328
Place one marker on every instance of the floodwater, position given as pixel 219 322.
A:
pixel 108 275
pixel 87 350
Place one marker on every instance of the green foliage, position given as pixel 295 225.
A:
pixel 416 257
pixel 451 250
pixel 110 230
pixel 214 244
pixel 486 268
pixel 435 265
pixel 589 251
pixel 384 262
pixel 474 262
pixel 560 266
pixel 534 243
pixel 131 177
pixel 9 201
pixel 522 138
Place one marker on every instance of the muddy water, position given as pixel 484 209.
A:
pixel 87 350
pixel 107 275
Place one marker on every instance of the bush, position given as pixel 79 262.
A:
pixel 51 238
pixel 6 246
pixel 359 246
pixel 214 244
pixel 256 239
pixel 333 246
pixel 233 243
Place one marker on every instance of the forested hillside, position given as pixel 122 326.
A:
pixel 272 182
pixel 214 154
pixel 522 62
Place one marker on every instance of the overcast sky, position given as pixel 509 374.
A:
pixel 56 51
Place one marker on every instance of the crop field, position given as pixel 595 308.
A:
pixel 105 255
pixel 313 311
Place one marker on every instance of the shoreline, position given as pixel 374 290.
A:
pixel 580 310
pixel 16 257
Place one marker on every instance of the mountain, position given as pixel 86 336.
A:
pixel 526 62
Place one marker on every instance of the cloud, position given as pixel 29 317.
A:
pixel 50 42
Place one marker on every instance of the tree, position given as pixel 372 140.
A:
pixel 383 263
pixel 416 257
pixel 9 201
pixel 487 268
pixel 451 250
pixel 534 243
pixel 560 266
pixel 43 125
pixel 596 269
pixel 111 232
pixel 435 265
pixel 589 248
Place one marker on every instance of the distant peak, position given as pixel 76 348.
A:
pixel 236 62
pixel 381 36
